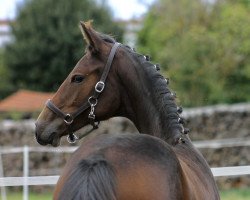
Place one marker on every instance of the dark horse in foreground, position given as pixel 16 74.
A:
pixel 110 80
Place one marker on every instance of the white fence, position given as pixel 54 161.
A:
pixel 25 181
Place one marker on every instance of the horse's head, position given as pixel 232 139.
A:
pixel 94 91
pixel 74 105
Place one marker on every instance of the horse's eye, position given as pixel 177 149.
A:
pixel 77 79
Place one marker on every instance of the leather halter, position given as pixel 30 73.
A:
pixel 91 103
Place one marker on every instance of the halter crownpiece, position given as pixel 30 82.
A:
pixel 91 103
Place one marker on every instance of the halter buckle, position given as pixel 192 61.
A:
pixel 99 87
pixel 68 119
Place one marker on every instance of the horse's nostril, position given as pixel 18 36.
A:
pixel 36 134
pixel 37 130
pixel 38 139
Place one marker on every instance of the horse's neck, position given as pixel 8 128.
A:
pixel 142 114
pixel 149 105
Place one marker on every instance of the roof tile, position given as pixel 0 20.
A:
pixel 24 101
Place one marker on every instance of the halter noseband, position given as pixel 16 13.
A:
pixel 92 101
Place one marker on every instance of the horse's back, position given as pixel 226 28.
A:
pixel 145 167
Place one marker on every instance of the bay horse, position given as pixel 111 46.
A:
pixel 111 79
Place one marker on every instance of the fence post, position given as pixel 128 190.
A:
pixel 3 190
pixel 25 172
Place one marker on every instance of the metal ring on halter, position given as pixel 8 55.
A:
pixel 68 119
pixel 99 87
pixel 92 101
pixel 72 138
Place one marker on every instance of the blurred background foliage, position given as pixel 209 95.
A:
pixel 5 84
pixel 48 42
pixel 203 47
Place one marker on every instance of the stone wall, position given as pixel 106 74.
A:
pixel 207 123
pixel 222 122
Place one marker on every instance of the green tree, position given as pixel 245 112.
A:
pixel 231 31
pixel 5 85
pixel 203 47
pixel 48 42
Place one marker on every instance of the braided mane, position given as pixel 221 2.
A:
pixel 162 97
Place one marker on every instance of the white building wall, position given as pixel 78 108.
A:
pixel 5 32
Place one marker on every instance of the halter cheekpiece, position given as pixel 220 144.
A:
pixel 91 103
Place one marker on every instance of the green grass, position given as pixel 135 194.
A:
pixel 32 196
pixel 239 194
pixel 235 194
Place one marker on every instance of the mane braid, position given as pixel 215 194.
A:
pixel 163 99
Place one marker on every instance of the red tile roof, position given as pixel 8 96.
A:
pixel 5 22
pixel 24 101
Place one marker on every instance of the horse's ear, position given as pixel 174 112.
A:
pixel 91 36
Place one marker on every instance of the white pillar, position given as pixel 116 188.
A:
pixel 3 189
pixel 25 172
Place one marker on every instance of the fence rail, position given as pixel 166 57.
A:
pixel 33 180
pixel 52 180
pixel 11 150
pixel 222 143
pixel 213 144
